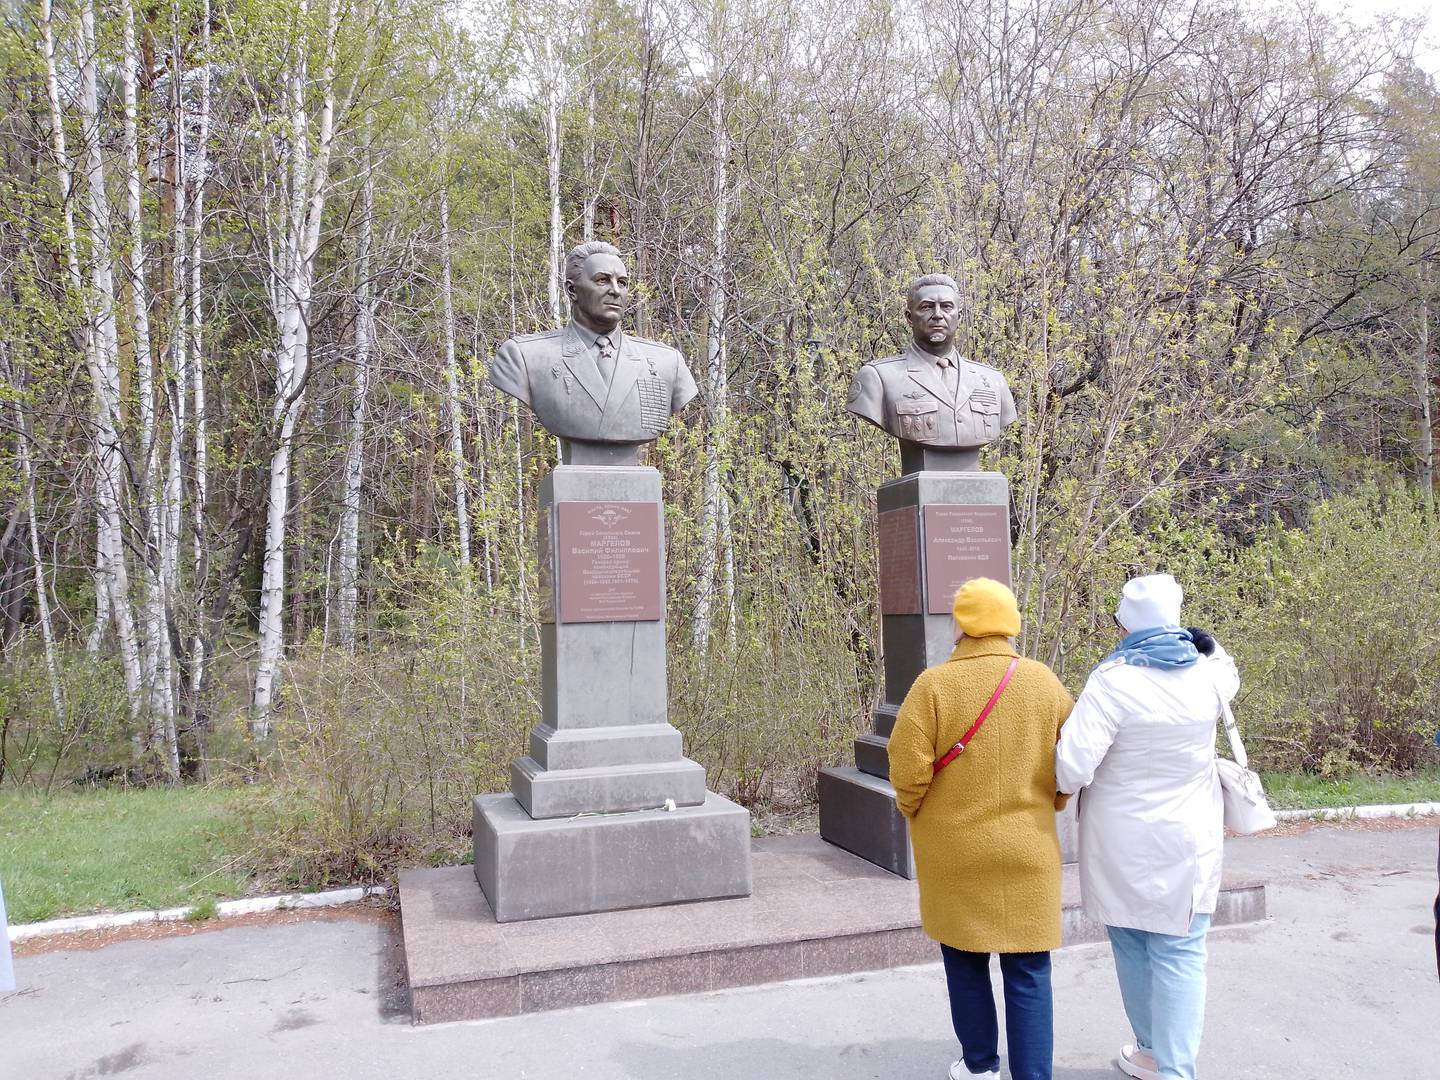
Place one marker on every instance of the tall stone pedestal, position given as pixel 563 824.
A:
pixel 605 812
pixel 938 529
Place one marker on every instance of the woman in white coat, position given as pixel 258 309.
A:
pixel 1141 744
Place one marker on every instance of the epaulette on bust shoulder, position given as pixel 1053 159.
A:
pixel 878 360
pixel 522 338
pixel 637 339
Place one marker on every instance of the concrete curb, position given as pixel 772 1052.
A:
pixel 336 897
pixel 226 909
pixel 1352 813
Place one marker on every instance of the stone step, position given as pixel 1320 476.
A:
pixel 588 748
pixel 537 869
pixel 605 789
pixel 872 755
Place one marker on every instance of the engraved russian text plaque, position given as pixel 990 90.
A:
pixel 608 562
pixel 962 543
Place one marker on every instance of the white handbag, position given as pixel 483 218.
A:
pixel 1246 808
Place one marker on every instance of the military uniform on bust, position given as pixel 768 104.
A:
pixel 561 375
pixel 938 401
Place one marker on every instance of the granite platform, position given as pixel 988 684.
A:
pixel 815 910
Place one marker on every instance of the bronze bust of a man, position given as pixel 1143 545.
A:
pixel 930 397
pixel 592 383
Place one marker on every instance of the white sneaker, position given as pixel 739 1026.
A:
pixel 1137 1063
pixel 958 1071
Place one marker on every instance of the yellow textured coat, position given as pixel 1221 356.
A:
pixel 986 851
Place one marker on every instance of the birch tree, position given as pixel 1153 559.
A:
pixel 201 447
pixel 103 350
pixel 347 594
pixel 23 435
pixel 294 243
pixel 458 472
pixel 157 652
pixel 715 539
pixel 65 177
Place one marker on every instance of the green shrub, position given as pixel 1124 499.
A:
pixel 377 756
pixel 93 738
pixel 1341 651
pixel 765 714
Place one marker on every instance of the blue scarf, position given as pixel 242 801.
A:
pixel 1158 647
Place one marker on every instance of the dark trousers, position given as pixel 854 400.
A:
pixel 1029 1011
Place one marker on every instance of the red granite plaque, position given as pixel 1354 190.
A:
pixel 608 561
pixel 963 542
pixel 900 561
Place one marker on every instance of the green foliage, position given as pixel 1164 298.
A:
pixel 121 849
pixel 92 740
pixel 763 715
pixel 378 755
pixel 1340 648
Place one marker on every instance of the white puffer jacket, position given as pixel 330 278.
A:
pixel 1141 743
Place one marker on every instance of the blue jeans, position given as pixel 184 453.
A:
pixel 1029 1011
pixel 1162 982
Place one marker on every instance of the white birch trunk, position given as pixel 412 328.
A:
pixel 554 100
pixel 156 644
pixel 96 637
pixel 105 369
pixel 452 385
pixel 354 476
pixel 727 569
pixel 715 521
pixel 65 176
pixel 1422 388
pixel 299 242
pixel 592 194
pixel 201 463
pixel 177 381
pixel 42 597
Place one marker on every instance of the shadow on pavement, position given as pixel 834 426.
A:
pixel 776 1059
pixel 391 982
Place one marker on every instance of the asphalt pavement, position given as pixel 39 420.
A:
pixel 1339 982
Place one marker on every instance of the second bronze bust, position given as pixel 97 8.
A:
pixel 929 394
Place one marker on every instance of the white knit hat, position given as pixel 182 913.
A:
pixel 1148 602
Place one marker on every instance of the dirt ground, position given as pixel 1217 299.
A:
pixel 375 910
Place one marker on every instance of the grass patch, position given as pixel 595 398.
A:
pixel 118 849
pixel 1307 791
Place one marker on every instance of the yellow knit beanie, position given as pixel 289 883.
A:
pixel 986 608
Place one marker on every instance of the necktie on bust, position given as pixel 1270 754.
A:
pixel 606 361
pixel 949 374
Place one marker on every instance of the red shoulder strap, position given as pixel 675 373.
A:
pixel 959 748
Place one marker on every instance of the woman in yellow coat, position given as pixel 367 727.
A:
pixel 983 829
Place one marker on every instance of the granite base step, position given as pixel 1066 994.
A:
pixel 815 910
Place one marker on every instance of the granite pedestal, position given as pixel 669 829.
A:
pixel 939 527
pixel 605 811
pixel 815 910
